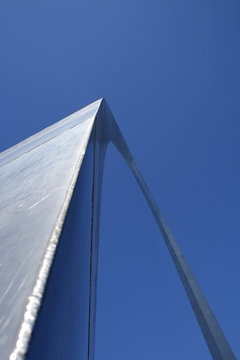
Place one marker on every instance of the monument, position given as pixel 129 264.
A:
pixel 49 233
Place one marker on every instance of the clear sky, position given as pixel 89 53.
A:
pixel 169 71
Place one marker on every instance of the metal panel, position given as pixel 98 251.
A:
pixel 61 329
pixel 37 178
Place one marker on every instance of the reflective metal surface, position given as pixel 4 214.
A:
pixel 61 329
pixel 214 337
pixel 38 177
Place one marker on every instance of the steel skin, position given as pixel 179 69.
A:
pixel 100 124
pixel 62 324
pixel 37 179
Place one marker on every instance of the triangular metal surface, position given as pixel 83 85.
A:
pixel 42 180
pixel 37 178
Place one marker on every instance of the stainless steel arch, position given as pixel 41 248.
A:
pixel 59 148
pixel 214 337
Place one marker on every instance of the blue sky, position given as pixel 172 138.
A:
pixel 169 71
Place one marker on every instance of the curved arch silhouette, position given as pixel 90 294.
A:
pixel 42 174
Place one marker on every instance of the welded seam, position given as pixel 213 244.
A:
pixel 91 245
pixel 43 143
pixel 66 120
pixel 35 298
